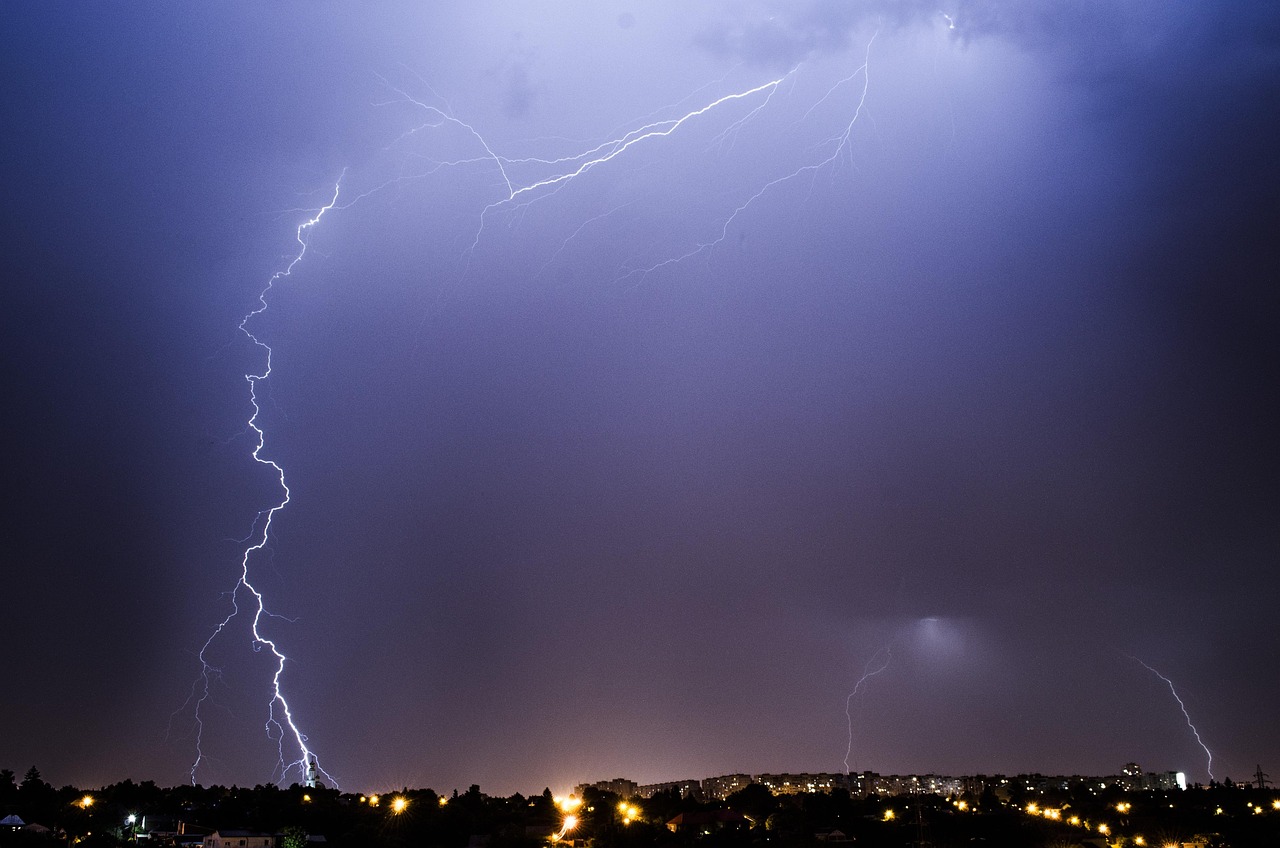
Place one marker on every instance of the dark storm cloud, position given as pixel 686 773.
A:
pixel 1188 98
pixel 997 389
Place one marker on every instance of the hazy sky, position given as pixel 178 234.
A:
pixel 637 473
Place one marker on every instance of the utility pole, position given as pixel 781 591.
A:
pixel 1260 777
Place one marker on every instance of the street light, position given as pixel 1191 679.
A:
pixel 569 823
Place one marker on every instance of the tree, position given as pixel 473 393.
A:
pixel 755 800
pixel 293 837
pixel 32 781
pixel 34 792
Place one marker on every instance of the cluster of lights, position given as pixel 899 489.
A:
pixel 398 804
pixel 1055 814
pixel 629 812
pixel 569 806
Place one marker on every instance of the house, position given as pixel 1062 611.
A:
pixel 239 839
pixel 830 834
pixel 701 822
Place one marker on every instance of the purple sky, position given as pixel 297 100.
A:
pixel 993 389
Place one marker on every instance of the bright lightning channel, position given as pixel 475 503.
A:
pixel 280 723
pixel 874 666
pixel 1185 714
pixel 839 144
pixel 558 172
pixel 518 195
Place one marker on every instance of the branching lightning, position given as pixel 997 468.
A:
pixel 552 174
pixel 1185 714
pixel 522 182
pixel 280 723
pixel 878 663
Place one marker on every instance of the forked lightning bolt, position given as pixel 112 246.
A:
pixel 874 666
pixel 839 145
pixel 550 175
pixel 1185 714
pixel 280 724
pixel 524 182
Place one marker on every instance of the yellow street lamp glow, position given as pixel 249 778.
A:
pixel 373 800
pixel 1138 840
pixel 1033 809
pixel 568 804
pixel 398 804
pixel 86 802
pixel 1103 829
pixel 888 815
pixel 443 800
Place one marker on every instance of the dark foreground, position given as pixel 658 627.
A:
pixel 129 813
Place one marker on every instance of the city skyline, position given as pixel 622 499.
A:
pixel 663 391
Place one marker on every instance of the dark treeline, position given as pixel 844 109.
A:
pixel 128 812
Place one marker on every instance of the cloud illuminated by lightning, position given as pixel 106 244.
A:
pixel 1185 714
pixel 524 181
pixel 529 180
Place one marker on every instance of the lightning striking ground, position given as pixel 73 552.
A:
pixel 1185 714
pixel 523 182
pixel 280 724
pixel 867 673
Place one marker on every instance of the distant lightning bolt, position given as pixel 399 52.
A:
pixel 280 723
pixel 1185 714
pixel 868 672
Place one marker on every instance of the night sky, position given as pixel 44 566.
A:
pixel 990 390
